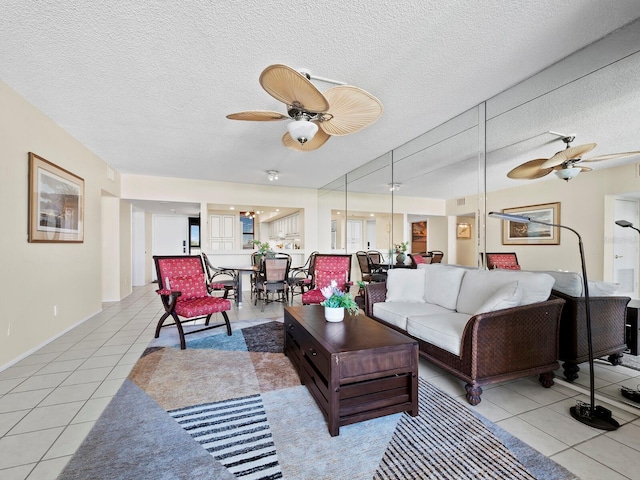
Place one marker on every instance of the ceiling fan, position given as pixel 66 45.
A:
pixel 341 110
pixel 566 163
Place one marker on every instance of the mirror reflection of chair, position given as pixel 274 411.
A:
pixel 300 277
pixel 272 280
pixel 502 260
pixel 182 287
pixel 436 256
pixel 417 259
pixel 328 267
pixel 368 269
pixel 221 279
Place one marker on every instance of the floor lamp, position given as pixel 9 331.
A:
pixel 592 415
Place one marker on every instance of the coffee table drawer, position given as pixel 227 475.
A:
pixel 374 364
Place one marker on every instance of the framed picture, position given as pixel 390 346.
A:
pixel 56 203
pixel 516 233
pixel 463 230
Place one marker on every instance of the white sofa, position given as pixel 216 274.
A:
pixel 483 326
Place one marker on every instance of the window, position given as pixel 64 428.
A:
pixel 194 232
pixel 246 220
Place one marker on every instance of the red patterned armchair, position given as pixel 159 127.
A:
pixel 328 267
pixel 182 287
pixel 504 261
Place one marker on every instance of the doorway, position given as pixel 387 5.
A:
pixel 625 248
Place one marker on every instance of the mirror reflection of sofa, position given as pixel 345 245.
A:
pixel 608 320
pixel 483 326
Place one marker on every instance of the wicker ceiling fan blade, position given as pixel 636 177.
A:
pixel 258 116
pixel 611 156
pixel 319 139
pixel 530 170
pixel 350 109
pixel 292 88
pixel 567 154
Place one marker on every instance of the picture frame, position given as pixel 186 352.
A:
pixel 56 203
pixel 516 233
pixel 463 230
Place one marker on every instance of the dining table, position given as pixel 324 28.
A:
pixel 240 270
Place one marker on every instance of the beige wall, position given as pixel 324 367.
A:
pixel 582 207
pixel 39 276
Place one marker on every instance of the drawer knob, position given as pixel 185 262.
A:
pixel 313 352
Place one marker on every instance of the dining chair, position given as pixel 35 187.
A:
pixel 368 271
pixel 182 286
pixel 272 280
pixel 220 278
pixel 300 277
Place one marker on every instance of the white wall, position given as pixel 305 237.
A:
pixel 39 276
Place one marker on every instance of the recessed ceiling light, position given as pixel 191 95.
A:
pixel 232 208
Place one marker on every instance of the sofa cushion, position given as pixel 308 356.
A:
pixel 570 283
pixel 443 330
pixel 405 285
pixel 507 296
pixel 479 285
pixel 442 284
pixel 396 313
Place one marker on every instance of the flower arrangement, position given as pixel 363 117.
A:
pixel 334 298
pixel 402 247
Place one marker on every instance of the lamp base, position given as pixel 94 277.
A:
pixel 598 417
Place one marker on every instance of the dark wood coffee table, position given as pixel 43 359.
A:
pixel 356 369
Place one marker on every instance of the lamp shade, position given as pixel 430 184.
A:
pixel 302 130
pixel 568 173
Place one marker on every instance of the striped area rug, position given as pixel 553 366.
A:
pixel 233 407
pixel 236 432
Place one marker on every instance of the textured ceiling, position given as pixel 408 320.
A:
pixel 147 84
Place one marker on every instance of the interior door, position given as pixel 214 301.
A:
pixel 354 235
pixel 170 234
pixel 625 248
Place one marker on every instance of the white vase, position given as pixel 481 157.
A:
pixel 334 314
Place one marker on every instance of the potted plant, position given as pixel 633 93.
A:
pixel 336 302
pixel 401 248
pixel 263 247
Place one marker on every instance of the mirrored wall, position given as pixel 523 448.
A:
pixel 435 191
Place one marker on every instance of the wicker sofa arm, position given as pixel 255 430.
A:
pixel 525 337
pixel 373 293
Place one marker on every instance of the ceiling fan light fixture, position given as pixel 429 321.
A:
pixel 272 175
pixel 302 129
pixel 568 173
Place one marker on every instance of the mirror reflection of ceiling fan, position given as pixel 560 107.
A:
pixel 566 163
pixel 341 110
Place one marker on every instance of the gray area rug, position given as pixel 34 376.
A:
pixel 248 417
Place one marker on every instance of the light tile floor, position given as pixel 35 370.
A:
pixel 50 400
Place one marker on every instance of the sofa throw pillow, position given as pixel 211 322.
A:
pixel 442 284
pixel 405 285
pixel 191 286
pixel 507 296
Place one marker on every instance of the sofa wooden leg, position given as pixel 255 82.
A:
pixel 546 379
pixel 473 393
pixel 570 371
pixel 615 358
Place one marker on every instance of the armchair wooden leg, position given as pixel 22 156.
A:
pixel 226 320
pixel 183 344
pixel 206 322
pixel 160 322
